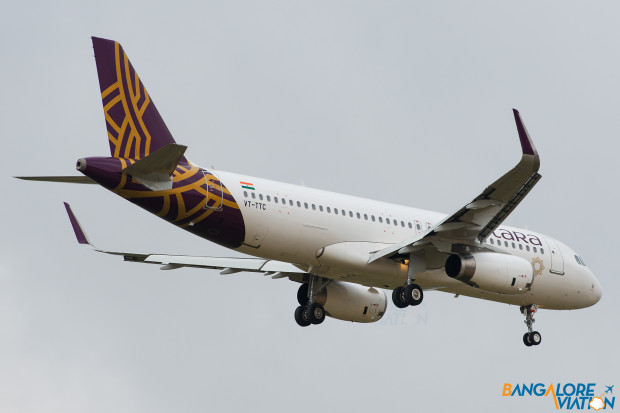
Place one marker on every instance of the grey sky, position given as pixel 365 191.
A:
pixel 405 101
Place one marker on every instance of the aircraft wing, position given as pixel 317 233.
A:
pixel 478 219
pixel 277 269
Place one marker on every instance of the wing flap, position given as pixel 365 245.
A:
pixel 230 265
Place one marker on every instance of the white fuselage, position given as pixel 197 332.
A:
pixel 298 224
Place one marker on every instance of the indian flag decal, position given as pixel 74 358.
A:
pixel 247 185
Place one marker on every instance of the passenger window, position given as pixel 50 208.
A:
pixel 521 247
pixel 298 204
pixel 268 198
pixel 306 205
pixel 395 223
pixel 290 202
pixel 418 226
pixel 387 220
pixel 283 201
pixel 351 214
pixel 514 246
pixel 313 207
pixel 527 247
pixel 409 225
pixel 275 199
pixel 365 217
pixel 402 224
pixel 245 194
pixel 253 195
pixel 492 241
pixel 344 213
pixel 506 244
pixel 321 208
pixel 542 251
pixel 358 215
pixel 260 196
pixel 535 249
pixel 381 220
pixel 329 210
pixel 373 218
pixel 336 211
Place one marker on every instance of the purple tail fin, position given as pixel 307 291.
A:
pixel 135 128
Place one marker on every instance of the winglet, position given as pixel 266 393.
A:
pixel 79 232
pixel 526 142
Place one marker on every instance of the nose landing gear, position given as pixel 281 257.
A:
pixel 531 338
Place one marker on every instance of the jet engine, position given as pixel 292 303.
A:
pixel 352 302
pixel 493 272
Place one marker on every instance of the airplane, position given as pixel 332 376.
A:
pixel 609 389
pixel 344 251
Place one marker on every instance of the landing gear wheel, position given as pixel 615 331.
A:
pixel 314 313
pixel 531 338
pixel 413 294
pixel 302 294
pixel 398 297
pixel 300 317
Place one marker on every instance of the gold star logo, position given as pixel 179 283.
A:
pixel 537 265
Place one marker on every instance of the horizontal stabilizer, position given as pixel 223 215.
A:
pixel 155 171
pixel 66 179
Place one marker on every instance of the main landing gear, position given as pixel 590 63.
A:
pixel 410 294
pixel 309 311
pixel 531 338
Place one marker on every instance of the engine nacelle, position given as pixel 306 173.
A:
pixel 352 302
pixel 493 272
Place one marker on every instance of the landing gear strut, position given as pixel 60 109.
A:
pixel 411 293
pixel 309 311
pixel 531 338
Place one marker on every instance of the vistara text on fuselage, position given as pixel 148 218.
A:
pixel 342 250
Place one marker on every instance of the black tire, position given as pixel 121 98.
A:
pixel 315 313
pixel 413 294
pixel 526 339
pixel 300 317
pixel 302 294
pixel 398 298
pixel 535 338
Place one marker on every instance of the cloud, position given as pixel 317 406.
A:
pixel 597 403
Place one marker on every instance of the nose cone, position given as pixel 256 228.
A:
pixel 597 291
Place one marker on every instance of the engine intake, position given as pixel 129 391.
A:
pixel 493 272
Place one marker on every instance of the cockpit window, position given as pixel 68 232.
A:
pixel 579 260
